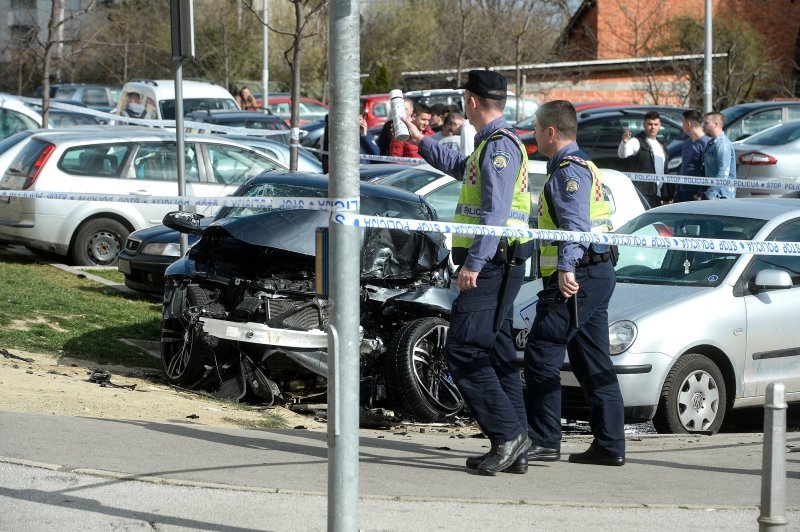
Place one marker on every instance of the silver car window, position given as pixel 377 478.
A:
pixel 94 160
pixel 789 232
pixel 156 161
pixel 669 266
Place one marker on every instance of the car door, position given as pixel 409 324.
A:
pixel 227 167
pixel 154 172
pixel 773 344
pixel 600 139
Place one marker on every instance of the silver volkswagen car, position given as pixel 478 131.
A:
pixel 695 334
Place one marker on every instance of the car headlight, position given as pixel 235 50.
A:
pixel 168 250
pixel 621 335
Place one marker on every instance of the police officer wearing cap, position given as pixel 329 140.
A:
pixel 480 350
pixel 572 310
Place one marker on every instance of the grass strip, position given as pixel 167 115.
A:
pixel 46 310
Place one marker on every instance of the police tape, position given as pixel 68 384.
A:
pixel 710 245
pixel 252 202
pixel 381 158
pixel 339 208
pixel 776 184
pixel 199 126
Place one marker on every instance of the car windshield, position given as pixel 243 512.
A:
pixel 775 136
pixel 411 180
pixel 370 205
pixel 678 267
pixel 732 113
pixel 196 104
pixel 13 140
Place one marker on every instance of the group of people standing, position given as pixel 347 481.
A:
pixel 572 311
pixel 707 152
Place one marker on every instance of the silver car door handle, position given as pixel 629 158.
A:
pixel 141 193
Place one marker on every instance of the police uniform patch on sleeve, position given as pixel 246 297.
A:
pixel 571 186
pixel 500 160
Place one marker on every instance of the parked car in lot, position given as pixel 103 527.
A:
pixel 96 96
pixel 747 119
pixel 695 335
pixel 456 97
pixel 241 314
pixel 15 116
pixel 280 151
pixel 599 135
pixel 375 108
pixel 308 109
pixel 136 161
pixel 158 97
pixel 243 119
pixel 770 154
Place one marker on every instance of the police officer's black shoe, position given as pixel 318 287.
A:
pixel 543 454
pixel 503 455
pixel 519 466
pixel 597 456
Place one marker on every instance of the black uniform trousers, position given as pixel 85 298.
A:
pixel 483 362
pixel 587 346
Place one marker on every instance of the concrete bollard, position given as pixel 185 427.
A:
pixel 773 470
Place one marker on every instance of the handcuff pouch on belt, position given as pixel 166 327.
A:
pixel 593 257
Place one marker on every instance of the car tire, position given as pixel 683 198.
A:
pixel 98 242
pixel 693 398
pixel 418 383
pixel 185 350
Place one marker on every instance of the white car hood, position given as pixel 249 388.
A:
pixel 629 302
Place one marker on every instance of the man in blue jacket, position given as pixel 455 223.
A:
pixel 719 159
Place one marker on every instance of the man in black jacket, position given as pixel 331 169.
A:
pixel 647 156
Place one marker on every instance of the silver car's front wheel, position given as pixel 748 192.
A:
pixel 693 398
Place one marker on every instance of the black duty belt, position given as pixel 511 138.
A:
pixel 590 257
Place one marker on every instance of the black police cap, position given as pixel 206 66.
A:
pixel 486 83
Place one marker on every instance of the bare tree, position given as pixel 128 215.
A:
pixel 305 12
pixel 54 38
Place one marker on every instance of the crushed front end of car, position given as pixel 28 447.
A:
pixel 242 318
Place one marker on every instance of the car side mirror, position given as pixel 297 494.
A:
pixel 771 279
pixel 184 222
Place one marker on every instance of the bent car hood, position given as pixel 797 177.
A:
pixel 287 230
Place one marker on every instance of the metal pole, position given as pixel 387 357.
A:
pixel 345 279
pixel 773 470
pixel 265 55
pixel 708 93
pixel 179 135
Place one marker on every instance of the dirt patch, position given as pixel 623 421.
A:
pixel 49 385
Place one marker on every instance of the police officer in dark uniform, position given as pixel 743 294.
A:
pixel 572 310
pixel 480 350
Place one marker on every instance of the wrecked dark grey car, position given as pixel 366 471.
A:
pixel 242 318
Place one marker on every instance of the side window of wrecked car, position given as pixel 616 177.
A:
pixel 393 208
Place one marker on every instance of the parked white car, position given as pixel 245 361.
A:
pixel 15 116
pixel 696 334
pixel 158 97
pixel 135 161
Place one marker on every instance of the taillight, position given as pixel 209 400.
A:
pixel 36 168
pixel 531 148
pixel 755 158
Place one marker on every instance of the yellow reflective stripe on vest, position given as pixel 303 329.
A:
pixel 469 211
pixel 599 214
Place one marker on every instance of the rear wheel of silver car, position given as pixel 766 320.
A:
pixel 185 350
pixel 98 242
pixel 418 381
pixel 693 398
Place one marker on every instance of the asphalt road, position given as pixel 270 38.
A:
pixel 62 473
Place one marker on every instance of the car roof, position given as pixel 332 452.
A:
pixel 309 179
pixel 109 133
pixel 756 105
pixel 756 208
pixel 220 114
pixel 190 88
pixel 611 112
